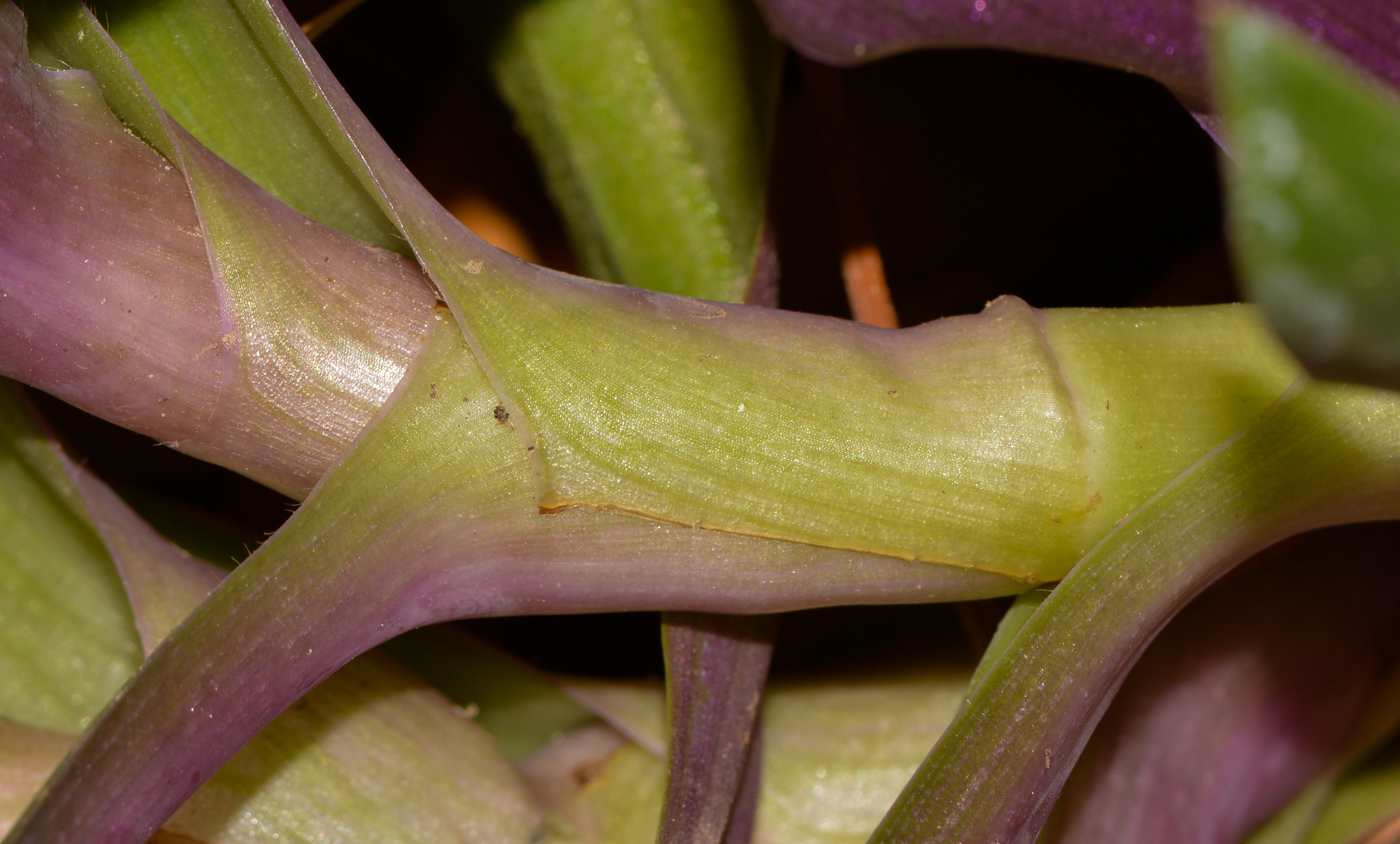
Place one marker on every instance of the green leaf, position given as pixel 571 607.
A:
pixel 654 139
pixel 202 62
pixel 836 750
pixel 372 746
pixel 520 707
pixel 67 641
pixel 1011 623
pixel 1362 799
pixel 1314 199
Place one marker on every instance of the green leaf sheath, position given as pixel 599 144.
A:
pixel 654 138
pixel 1314 196
pixel 1324 454
pixel 433 516
pixel 978 441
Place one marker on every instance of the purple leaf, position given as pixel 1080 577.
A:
pixel 1158 38
pixel 100 246
pixel 1250 693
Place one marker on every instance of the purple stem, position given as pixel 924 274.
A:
pixel 716 667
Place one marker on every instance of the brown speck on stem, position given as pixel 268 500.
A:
pixel 501 414
pixel 862 268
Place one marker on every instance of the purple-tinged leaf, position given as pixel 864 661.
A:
pixel 836 749
pixel 97 260
pixel 101 247
pixel 743 812
pixel 163 583
pixel 1322 455
pixel 1249 693
pixel 716 667
pixel 432 516
pixel 372 747
pixel 67 642
pixel 322 328
pixel 1158 38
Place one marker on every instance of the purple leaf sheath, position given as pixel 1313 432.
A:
pixel 109 298
pixel 1158 38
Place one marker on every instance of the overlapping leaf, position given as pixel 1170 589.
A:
pixel 446 488
pixel 836 750
pixel 372 748
pixel 1251 692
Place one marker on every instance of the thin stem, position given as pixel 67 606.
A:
pixel 862 268
pixel 317 26
pixel 716 668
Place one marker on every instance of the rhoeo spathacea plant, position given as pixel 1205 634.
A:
pixel 1176 516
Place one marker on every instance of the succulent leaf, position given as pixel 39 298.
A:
pixel 716 667
pixel 1314 177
